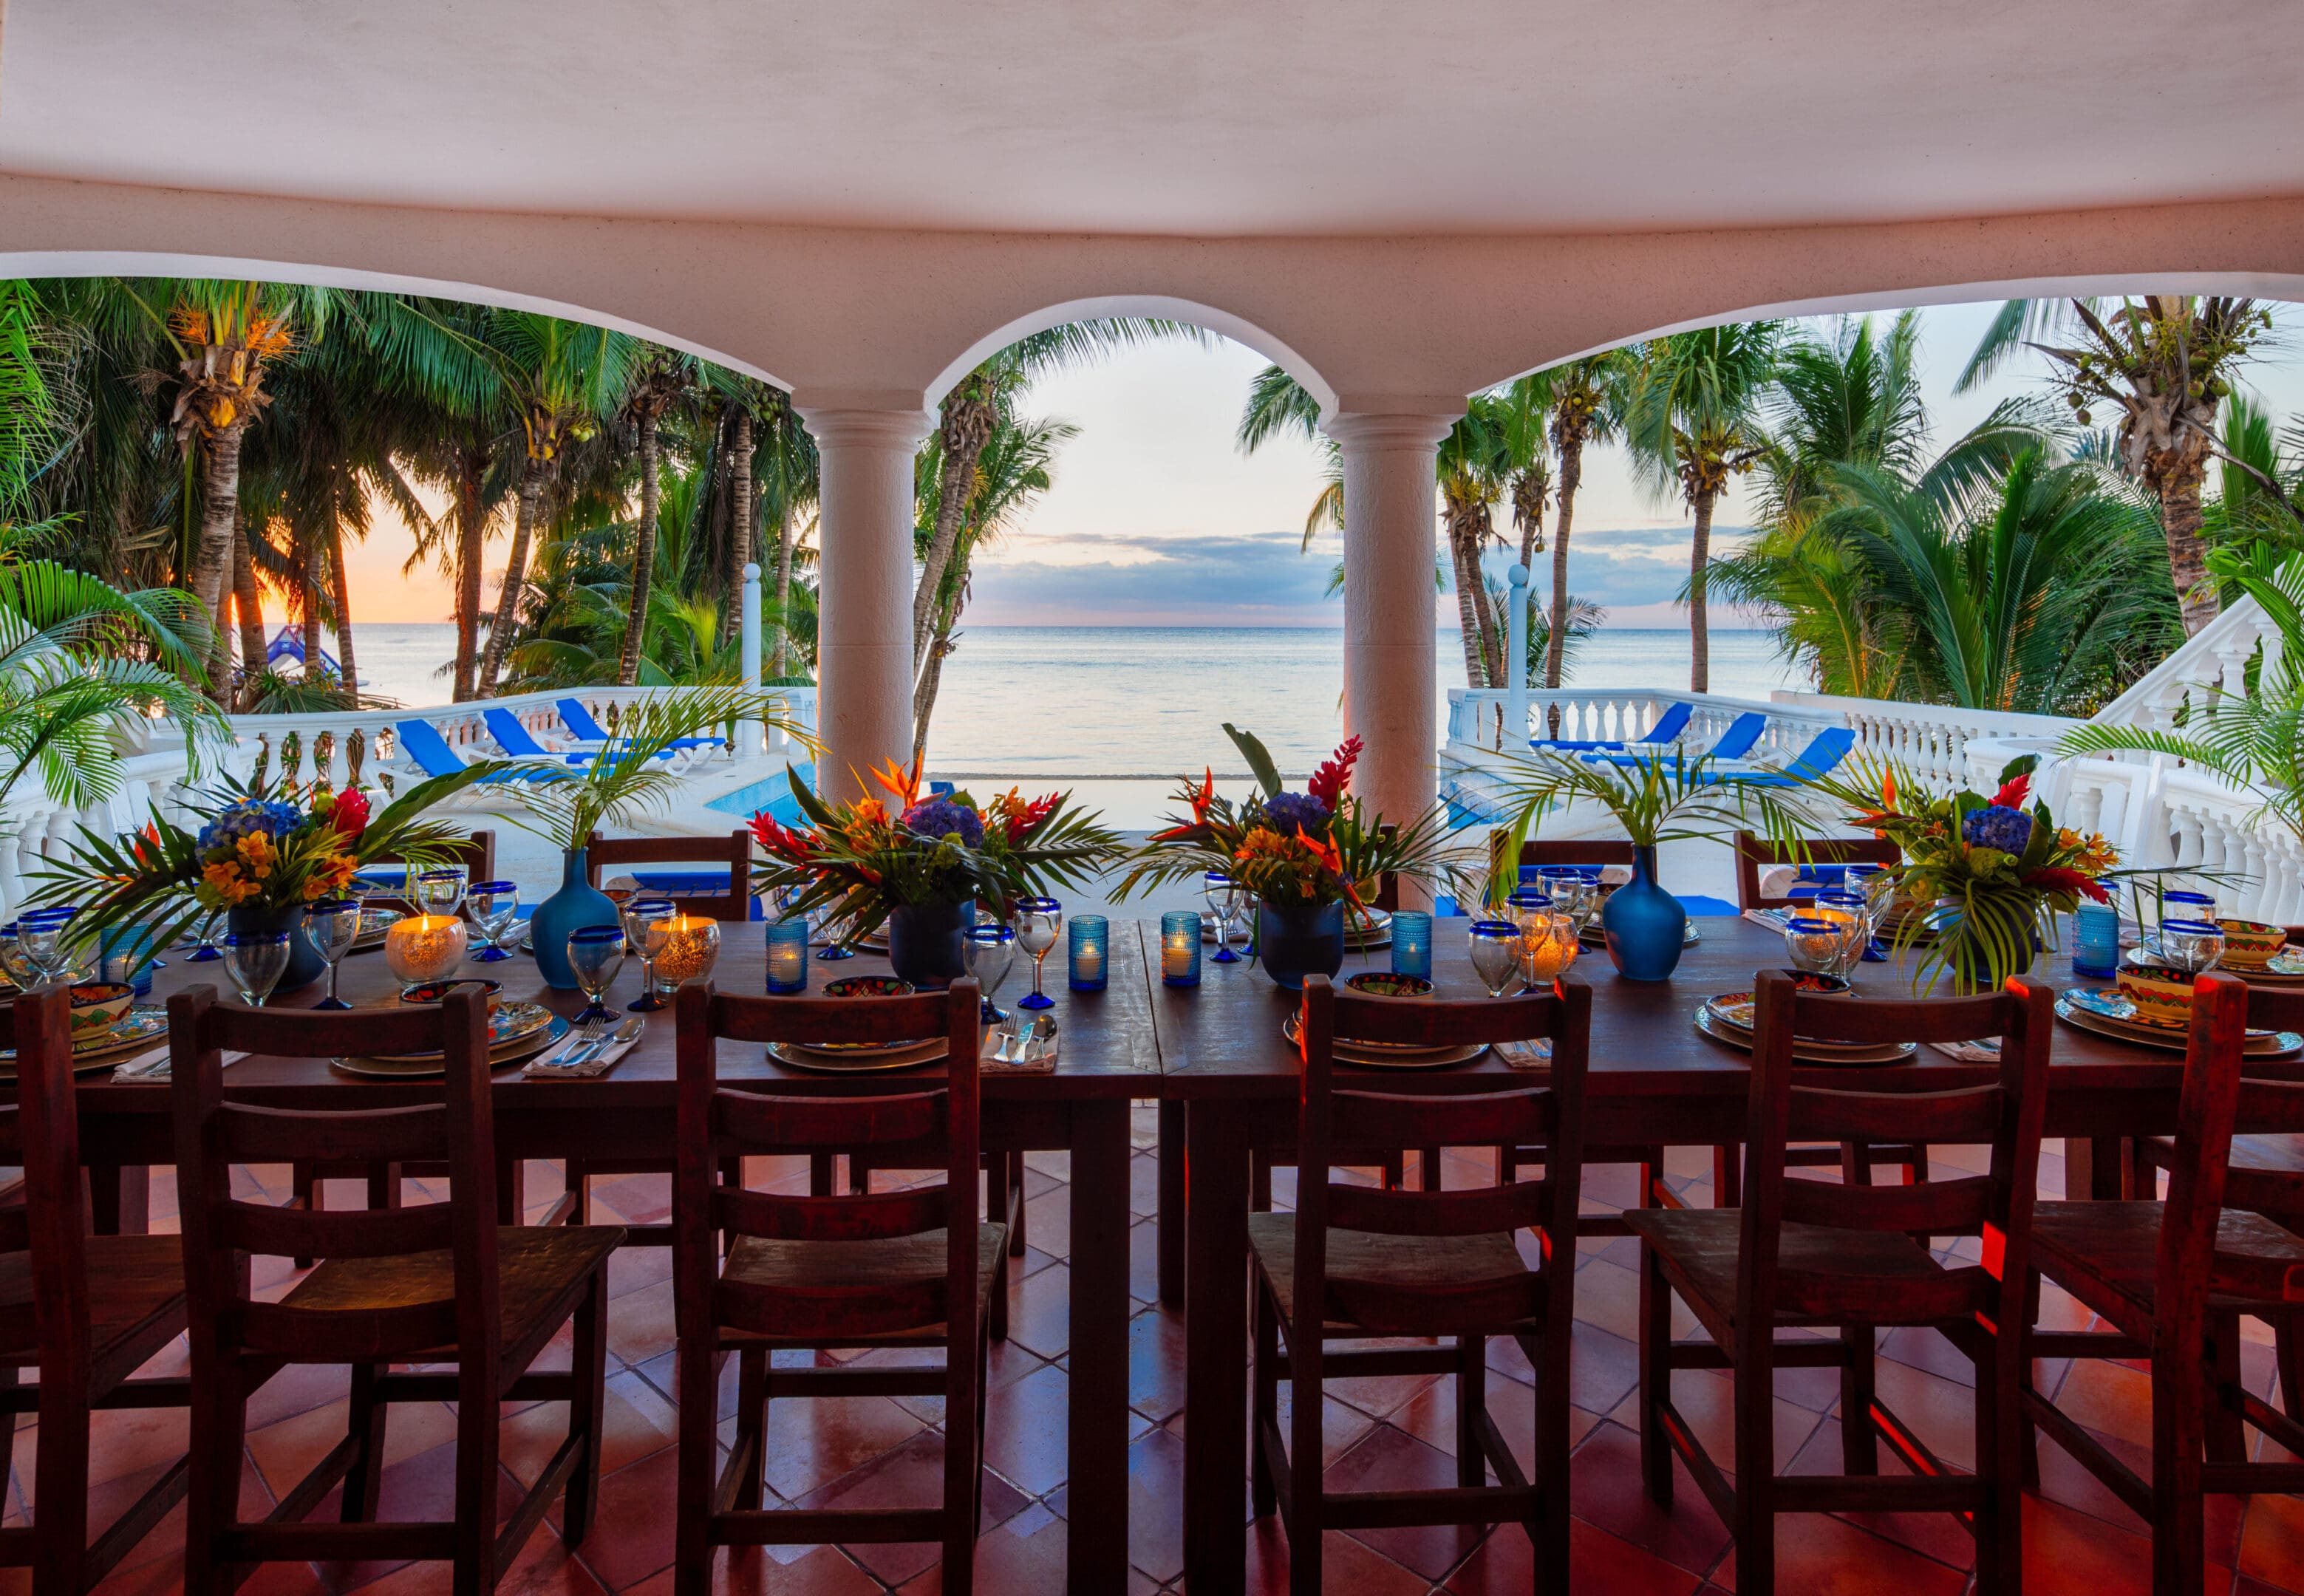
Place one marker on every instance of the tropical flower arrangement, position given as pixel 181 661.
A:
pixel 1303 849
pixel 860 861
pixel 1997 872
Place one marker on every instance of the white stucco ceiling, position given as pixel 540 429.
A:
pixel 1181 116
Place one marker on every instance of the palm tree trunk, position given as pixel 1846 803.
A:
pixel 344 660
pixel 212 555
pixel 1572 474
pixel 740 518
pixel 1468 598
pixel 515 577
pixel 2180 519
pixel 313 576
pixel 628 665
pixel 785 661
pixel 967 425
pixel 1699 559
pixel 471 463
pixel 924 691
pixel 248 608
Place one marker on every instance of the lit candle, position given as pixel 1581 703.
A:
pixel 1180 947
pixel 788 955
pixel 1089 935
pixel 424 948
pixel 692 943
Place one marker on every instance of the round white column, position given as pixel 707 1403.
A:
pixel 1391 538
pixel 864 593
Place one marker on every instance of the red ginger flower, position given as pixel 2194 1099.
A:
pixel 348 815
pixel 2014 794
pixel 798 847
pixel 2051 878
pixel 1334 778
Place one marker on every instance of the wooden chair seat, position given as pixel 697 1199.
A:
pixel 2107 1254
pixel 1698 1250
pixel 544 1272
pixel 886 1262
pixel 1402 1263
pixel 135 1304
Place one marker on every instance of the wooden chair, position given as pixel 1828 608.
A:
pixel 476 854
pixel 1752 855
pixel 894 1269
pixel 2174 1278
pixel 83 1312
pixel 1356 1264
pixel 1803 1255
pixel 735 850
pixel 440 1283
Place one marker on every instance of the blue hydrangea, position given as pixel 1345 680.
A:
pixel 246 818
pixel 1996 825
pixel 1295 814
pixel 940 818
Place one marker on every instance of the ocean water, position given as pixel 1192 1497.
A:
pixel 1135 702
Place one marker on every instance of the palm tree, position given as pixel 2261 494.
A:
pixel 1585 399
pixel 970 412
pixel 786 470
pixel 664 378
pixel 1474 466
pixel 2166 360
pixel 1693 419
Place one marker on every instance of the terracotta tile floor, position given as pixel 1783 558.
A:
pixel 1377 1433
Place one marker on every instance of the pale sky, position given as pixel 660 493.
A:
pixel 1157 519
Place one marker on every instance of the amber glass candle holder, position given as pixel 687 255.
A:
pixel 687 947
pixel 424 948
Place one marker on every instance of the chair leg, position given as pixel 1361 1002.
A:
pixel 752 1376
pixel 1428 1168
pixel 589 1362
pixel 2028 1434
pixel 1015 1183
pixel 1265 1378
pixel 2179 1531
pixel 59 1488
pixel 1860 1440
pixel 819 1174
pixel 1259 1183
pixel 2292 1371
pixel 367 1424
pixel 860 1176
pixel 1999 1524
pixel 1727 1176
pixel 478 1468
pixel 1753 1524
pixel 1471 1402
pixel 1656 1378
pixel 2223 1436
pixel 304 1188
pixel 962 1478
pixel 218 1435
pixel 1305 1517
pixel 1548 1529
pixel 697 1372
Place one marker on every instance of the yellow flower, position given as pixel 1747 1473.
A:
pixel 224 880
pixel 258 855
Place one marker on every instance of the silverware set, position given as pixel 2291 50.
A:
pixel 589 1040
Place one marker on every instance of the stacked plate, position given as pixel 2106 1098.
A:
pixel 2283 968
pixel 517 1032
pixel 374 923
pixel 1728 1017
pixel 852 1058
pixel 1390 1055
pixel 1594 937
pixel 134 1031
pixel 2106 1013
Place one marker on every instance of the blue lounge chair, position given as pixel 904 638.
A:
pixel 1742 735
pixel 1667 730
pixel 516 740
pixel 422 742
pixel 584 729
pixel 1827 750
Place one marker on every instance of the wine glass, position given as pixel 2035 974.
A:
pixel 833 926
pixel 439 891
pixel 595 953
pixel 13 964
pixel 1855 910
pixel 1546 948
pixel 494 906
pixel 43 938
pixel 988 951
pixel 1496 953
pixel 1878 887
pixel 256 960
pixel 1036 922
pixel 2192 946
pixel 1816 946
pixel 206 952
pixel 644 921
pixel 332 926
pixel 1216 888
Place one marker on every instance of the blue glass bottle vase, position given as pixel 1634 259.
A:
pixel 1645 925
pixel 575 906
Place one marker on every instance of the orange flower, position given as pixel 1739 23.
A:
pixel 903 785
pixel 224 880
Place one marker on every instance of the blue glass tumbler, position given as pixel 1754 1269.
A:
pixel 788 955
pixel 1412 943
pixel 2096 941
pixel 1180 947
pixel 1088 956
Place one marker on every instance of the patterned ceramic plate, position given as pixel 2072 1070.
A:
pixel 2099 1016
pixel 903 1056
pixel 1405 1055
pixel 2283 968
pixel 1735 1010
pixel 1807 1053
pixel 518 1051
pixel 511 1023
pixel 135 1028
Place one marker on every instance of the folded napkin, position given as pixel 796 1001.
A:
pixel 1773 918
pixel 543 1067
pixel 1970 1052
pixel 1041 1061
pixel 1525 1055
pixel 151 1066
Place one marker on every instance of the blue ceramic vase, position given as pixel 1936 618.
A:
pixel 1645 925
pixel 576 904
pixel 924 942
pixel 1297 939
pixel 305 965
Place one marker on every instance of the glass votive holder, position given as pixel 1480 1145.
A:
pixel 2096 941
pixel 1412 943
pixel 1088 954
pixel 424 948
pixel 1180 947
pixel 788 955
pixel 690 946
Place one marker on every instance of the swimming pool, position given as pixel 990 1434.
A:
pixel 771 793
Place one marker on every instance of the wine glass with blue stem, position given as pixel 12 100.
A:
pixel 1037 921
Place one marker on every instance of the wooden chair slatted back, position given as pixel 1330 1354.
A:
pixel 476 853
pixel 2206 1111
pixel 41 1130
pixel 2006 1115
pixel 918 1130
pixel 212 1135
pixel 735 850
pixel 1753 854
pixel 1592 850
pixel 1331 1116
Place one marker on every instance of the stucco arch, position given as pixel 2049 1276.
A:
pixel 1239 329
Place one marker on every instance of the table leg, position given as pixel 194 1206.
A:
pixel 120 1199
pixel 1171 1156
pixel 2092 1169
pixel 1096 1549
pixel 1215 1351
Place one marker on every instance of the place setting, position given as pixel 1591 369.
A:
pixel 1826 943
pixel 2150 1002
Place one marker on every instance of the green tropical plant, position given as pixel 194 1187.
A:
pixel 1669 798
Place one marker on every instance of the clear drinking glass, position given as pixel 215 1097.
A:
pixel 644 921
pixel 495 906
pixel 1546 948
pixel 2192 946
pixel 834 926
pixel 1817 946
pixel 1216 888
pixel 1838 904
pixel 332 926
pixel 1495 954
pixel 207 951
pixel 256 960
pixel 440 892
pixel 1037 921
pixel 595 953
pixel 44 942
pixel 13 965
pixel 988 951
